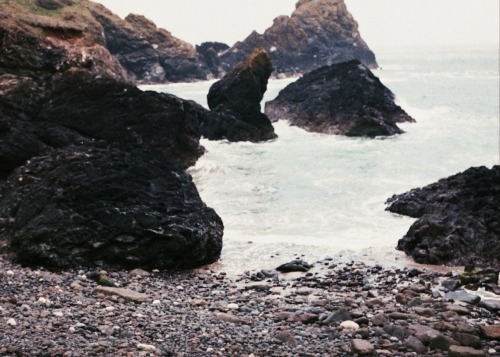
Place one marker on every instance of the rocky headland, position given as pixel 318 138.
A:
pixel 318 33
pixel 343 99
pixel 92 168
pixel 234 102
pixel 458 219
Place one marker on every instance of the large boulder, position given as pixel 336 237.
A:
pixel 318 33
pixel 344 99
pixel 458 219
pixel 120 113
pixel 235 103
pixel 105 207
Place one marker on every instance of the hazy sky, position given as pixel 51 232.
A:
pixel 382 22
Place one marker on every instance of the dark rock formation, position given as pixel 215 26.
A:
pixel 91 168
pixel 211 52
pixel 235 103
pixel 82 206
pixel 458 219
pixel 318 33
pixel 345 98
pixel 150 54
pixel 120 113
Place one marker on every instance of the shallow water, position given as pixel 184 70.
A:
pixel 324 196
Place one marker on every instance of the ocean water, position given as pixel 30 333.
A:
pixel 315 196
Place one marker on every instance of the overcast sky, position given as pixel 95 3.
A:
pixel 382 22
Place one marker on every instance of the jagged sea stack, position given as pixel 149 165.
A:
pixel 343 99
pixel 235 103
pixel 318 33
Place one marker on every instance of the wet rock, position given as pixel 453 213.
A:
pixel 293 266
pixel 343 99
pixel 480 277
pixel 235 100
pixel 457 219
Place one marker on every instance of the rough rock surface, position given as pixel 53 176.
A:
pixel 458 219
pixel 345 99
pixel 318 33
pixel 92 168
pixel 151 54
pixel 83 206
pixel 211 52
pixel 235 103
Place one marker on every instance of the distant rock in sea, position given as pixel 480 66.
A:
pixel 235 103
pixel 343 99
pixel 318 33
pixel 458 219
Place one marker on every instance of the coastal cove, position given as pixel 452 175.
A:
pixel 324 196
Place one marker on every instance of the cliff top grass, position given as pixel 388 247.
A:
pixel 62 15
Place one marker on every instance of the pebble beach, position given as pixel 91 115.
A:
pixel 332 310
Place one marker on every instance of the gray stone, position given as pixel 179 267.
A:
pixel 492 305
pixel 415 345
pixel 462 296
pixel 362 347
pixel 442 342
pixel 126 294
pixel 462 351
pixel 338 316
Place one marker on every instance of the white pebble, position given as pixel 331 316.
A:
pixel 42 300
pixel 145 347
pixel 179 287
pixel 72 329
pixel 10 272
pixel 11 322
pixel 109 308
pixel 233 306
pixel 156 302
pixel 349 325
pixel 58 313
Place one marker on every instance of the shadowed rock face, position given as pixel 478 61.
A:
pixel 87 206
pixel 98 181
pixel 92 168
pixel 318 33
pixel 235 103
pixel 458 219
pixel 344 99
pixel 150 54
